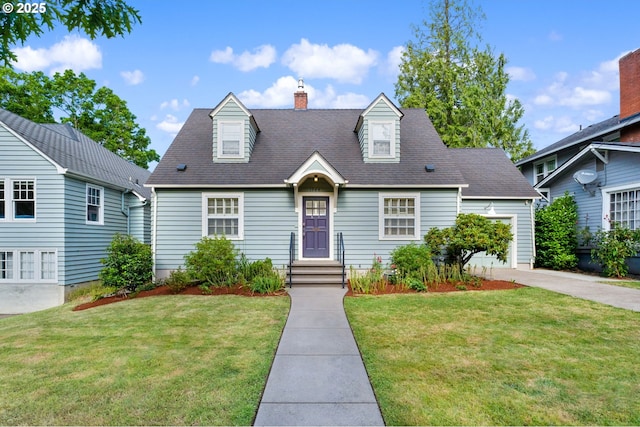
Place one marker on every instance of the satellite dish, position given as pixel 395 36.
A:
pixel 584 177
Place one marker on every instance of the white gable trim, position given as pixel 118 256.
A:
pixel 382 97
pixel 310 168
pixel 225 101
pixel 59 168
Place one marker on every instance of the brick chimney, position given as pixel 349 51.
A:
pixel 629 66
pixel 300 97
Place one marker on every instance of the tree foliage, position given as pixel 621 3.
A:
pixel 97 112
pixel 470 235
pixel 461 87
pixel 556 235
pixel 108 18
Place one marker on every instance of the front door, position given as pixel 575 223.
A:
pixel 315 227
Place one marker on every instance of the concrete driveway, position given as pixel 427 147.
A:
pixel 577 285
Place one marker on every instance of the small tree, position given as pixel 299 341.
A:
pixel 556 235
pixel 470 235
pixel 129 263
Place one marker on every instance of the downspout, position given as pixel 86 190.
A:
pixel 125 212
pixel 154 227
pixel 533 233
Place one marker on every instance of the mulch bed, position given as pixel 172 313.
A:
pixel 487 285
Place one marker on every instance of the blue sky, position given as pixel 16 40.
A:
pixel 562 56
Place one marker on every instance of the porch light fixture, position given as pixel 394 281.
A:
pixel 490 209
pixel 315 178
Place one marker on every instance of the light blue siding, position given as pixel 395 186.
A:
pixel 523 225
pixel 379 112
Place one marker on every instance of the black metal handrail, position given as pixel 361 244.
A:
pixel 340 255
pixel 292 253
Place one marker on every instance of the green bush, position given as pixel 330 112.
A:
pixel 129 263
pixel 267 283
pixel 556 234
pixel 178 280
pixel 613 247
pixel 411 260
pixel 252 269
pixel 415 284
pixel 213 262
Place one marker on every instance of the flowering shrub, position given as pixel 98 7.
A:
pixel 613 247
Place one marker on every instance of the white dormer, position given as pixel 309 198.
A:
pixel 234 131
pixel 378 131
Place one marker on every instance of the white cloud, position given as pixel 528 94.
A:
pixel 170 124
pixel 521 74
pixel 544 124
pixel 543 100
pixel 195 80
pixel 73 52
pixel 580 97
pixel 263 56
pixel 555 36
pixel 133 78
pixel 394 59
pixel 344 62
pixel 175 104
pixel 562 125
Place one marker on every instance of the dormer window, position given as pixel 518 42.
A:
pixel 381 140
pixel 231 140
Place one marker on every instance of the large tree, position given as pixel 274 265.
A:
pixel 97 112
pixel 461 86
pixel 108 18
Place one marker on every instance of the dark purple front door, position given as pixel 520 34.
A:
pixel 315 223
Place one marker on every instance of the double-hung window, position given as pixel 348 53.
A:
pixel 544 168
pixel 230 140
pixel 381 140
pixel 95 205
pixel 24 199
pixel 223 215
pixel 399 216
pixel 32 265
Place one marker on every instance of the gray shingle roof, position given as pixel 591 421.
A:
pixel 490 173
pixel 74 151
pixel 288 137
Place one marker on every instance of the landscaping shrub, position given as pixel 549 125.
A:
pixel 178 280
pixel 213 263
pixel 252 269
pixel 556 235
pixel 415 284
pixel 613 247
pixel 411 260
pixel 267 283
pixel 129 263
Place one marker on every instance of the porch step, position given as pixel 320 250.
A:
pixel 325 273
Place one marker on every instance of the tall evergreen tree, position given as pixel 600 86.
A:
pixel 460 86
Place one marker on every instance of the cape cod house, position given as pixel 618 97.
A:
pixel 299 185
pixel 599 165
pixel 62 198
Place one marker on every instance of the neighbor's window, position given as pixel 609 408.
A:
pixel 230 139
pixel 24 199
pixel 399 217
pixel 381 139
pixel 624 208
pixel 6 265
pixel 95 203
pixel 544 168
pixel 223 215
pixel 2 200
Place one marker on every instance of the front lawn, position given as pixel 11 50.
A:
pixel 517 357
pixel 179 360
pixel 634 284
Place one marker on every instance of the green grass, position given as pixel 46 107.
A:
pixel 624 283
pixel 519 357
pixel 179 360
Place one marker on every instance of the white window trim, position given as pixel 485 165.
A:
pixel 37 266
pixel 392 139
pixel 381 197
pixel 606 200
pixel 100 220
pixel 8 199
pixel 546 171
pixel 221 124
pixel 205 213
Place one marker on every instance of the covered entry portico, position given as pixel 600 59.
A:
pixel 315 185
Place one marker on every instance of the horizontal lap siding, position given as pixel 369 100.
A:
pixel 86 244
pixel 269 219
pixel 17 160
pixel 524 232
pixel 357 219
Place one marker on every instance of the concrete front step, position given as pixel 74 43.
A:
pixel 307 273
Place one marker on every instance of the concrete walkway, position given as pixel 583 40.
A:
pixel 318 377
pixel 577 285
